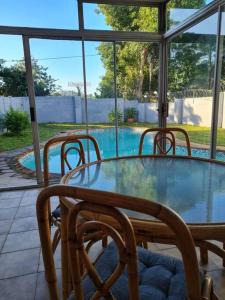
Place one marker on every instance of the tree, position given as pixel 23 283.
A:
pixel 135 74
pixel 13 80
pixel 189 65
pixel 137 63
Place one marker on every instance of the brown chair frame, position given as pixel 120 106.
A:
pixel 65 140
pixel 162 136
pixel 105 203
pixel 64 153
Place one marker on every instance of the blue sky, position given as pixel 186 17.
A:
pixel 34 13
pixel 63 58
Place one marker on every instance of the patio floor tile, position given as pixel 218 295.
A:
pixel 57 259
pixel 218 277
pixel 2 240
pixel 24 224
pixel 20 288
pixel 31 193
pixel 19 263
pixel 9 203
pixel 14 194
pixel 21 241
pixel 26 211
pixel 42 288
pixel 7 213
pixel 28 200
pixel 5 226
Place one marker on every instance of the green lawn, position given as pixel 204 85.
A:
pixel 197 134
pixel 46 131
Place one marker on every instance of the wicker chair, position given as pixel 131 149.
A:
pixel 122 269
pixel 165 140
pixel 68 143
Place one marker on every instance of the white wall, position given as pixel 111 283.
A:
pixel 194 111
pixel 197 111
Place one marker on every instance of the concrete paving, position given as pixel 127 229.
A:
pixel 8 175
pixel 21 264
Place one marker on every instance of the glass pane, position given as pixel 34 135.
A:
pixel 44 13
pixel 190 83
pixel 137 92
pixel 58 82
pixel 120 17
pixel 15 126
pixel 101 99
pixel 221 117
pixel 178 11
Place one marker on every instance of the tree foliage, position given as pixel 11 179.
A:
pixel 137 63
pixel 13 80
pixel 190 64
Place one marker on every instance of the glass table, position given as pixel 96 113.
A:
pixel 193 187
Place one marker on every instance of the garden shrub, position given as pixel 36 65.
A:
pixel 111 116
pixel 16 121
pixel 130 113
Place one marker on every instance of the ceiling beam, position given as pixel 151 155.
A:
pixel 194 19
pixel 151 3
pixel 86 34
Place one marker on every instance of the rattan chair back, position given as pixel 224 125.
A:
pixel 164 140
pixel 76 142
pixel 107 219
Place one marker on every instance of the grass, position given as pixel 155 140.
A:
pixel 197 134
pixel 46 131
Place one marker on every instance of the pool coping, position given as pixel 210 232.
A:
pixel 13 157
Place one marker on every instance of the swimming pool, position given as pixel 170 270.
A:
pixel 128 141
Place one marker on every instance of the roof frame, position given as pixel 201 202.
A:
pixel 194 19
pixel 86 34
pixel 148 3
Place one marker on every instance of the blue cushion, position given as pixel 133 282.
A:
pixel 56 212
pixel 160 277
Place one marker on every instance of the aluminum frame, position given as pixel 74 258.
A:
pixel 32 104
pixel 115 95
pixel 194 19
pixel 212 8
pixel 145 3
pixel 216 88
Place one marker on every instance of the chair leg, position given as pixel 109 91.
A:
pixel 145 245
pixel 214 296
pixel 56 239
pixel 104 242
pixel 46 245
pixel 203 255
pixel 223 249
pixel 142 244
pixel 64 255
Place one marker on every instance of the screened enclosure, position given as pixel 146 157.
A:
pixel 110 69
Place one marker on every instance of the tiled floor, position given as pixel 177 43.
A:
pixel 9 177
pixel 21 265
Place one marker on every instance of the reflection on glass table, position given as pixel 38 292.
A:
pixel 194 188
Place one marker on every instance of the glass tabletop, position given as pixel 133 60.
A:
pixel 195 189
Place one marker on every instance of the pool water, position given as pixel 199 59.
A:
pixel 128 142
